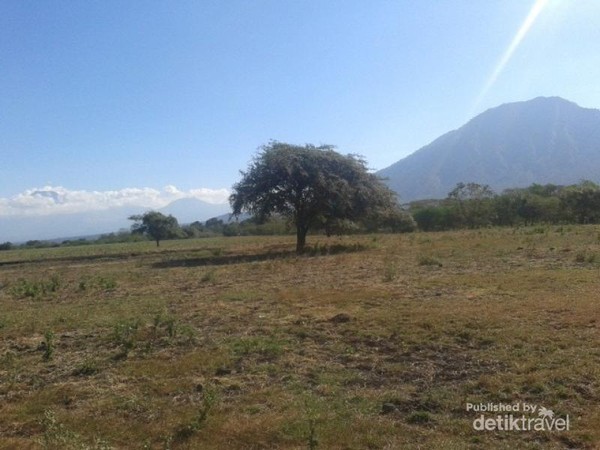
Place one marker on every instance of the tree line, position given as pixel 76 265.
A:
pixel 474 205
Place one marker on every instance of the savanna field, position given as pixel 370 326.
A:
pixel 365 342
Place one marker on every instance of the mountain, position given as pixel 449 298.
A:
pixel 544 140
pixel 188 210
pixel 57 226
pixel 229 218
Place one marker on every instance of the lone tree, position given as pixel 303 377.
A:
pixel 156 225
pixel 313 187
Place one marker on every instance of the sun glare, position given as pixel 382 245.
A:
pixel 535 11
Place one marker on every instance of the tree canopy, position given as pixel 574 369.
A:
pixel 473 201
pixel 582 202
pixel 156 226
pixel 314 187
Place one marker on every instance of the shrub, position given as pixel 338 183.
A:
pixel 419 418
pixel 429 261
pixel 209 400
pixel 48 345
pixel 97 283
pixel 390 271
pixel 125 334
pixel 86 368
pixel 35 289
pixel 585 257
pixel 208 276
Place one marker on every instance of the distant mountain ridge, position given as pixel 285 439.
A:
pixel 544 140
pixel 188 210
pixel 24 228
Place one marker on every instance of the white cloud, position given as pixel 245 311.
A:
pixel 170 189
pixel 59 200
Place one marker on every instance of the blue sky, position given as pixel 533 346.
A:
pixel 117 97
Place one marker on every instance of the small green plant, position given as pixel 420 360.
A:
pixel 266 347
pixel 216 251
pixel 314 410
pixel 48 345
pixel 538 230
pixel 170 326
pixel 209 399
pixel 464 336
pixel 125 334
pixel 82 286
pixel 419 418
pixel 53 284
pixel 8 358
pixel 107 284
pixel 316 249
pixel 586 257
pixel 156 322
pixel 313 443
pixel 188 333
pixel 56 435
pixel 86 368
pixel 97 283
pixel 390 271
pixel 168 323
pixel 208 276
pixel 35 289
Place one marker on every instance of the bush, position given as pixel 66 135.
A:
pixel 390 221
pixel 419 418
pixel 125 334
pixel 429 261
pixel 48 345
pixel 436 218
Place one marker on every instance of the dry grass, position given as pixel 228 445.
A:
pixel 371 342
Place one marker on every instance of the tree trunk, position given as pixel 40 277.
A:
pixel 157 243
pixel 300 238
